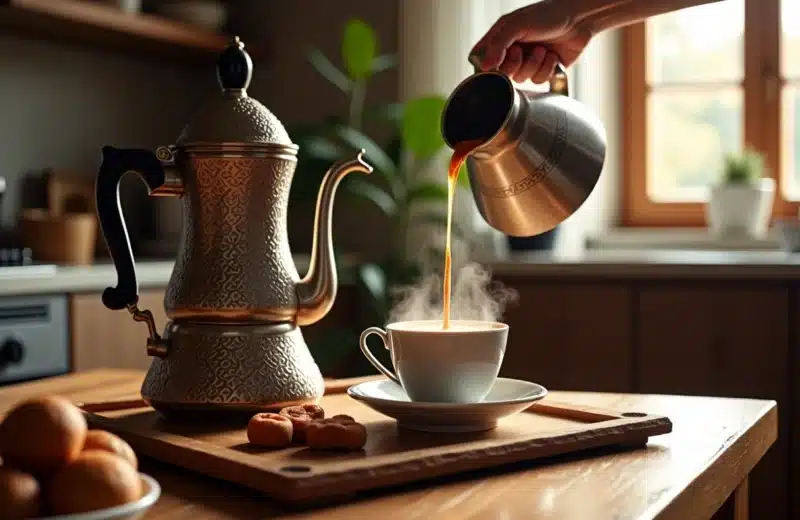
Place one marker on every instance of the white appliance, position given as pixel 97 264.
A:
pixel 34 337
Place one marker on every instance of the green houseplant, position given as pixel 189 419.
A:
pixel 746 167
pixel 741 204
pixel 397 187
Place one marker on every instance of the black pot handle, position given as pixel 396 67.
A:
pixel 115 164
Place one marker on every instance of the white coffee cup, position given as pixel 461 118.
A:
pixel 457 365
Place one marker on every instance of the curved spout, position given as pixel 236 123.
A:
pixel 316 292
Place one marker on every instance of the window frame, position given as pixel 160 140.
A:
pixel 762 87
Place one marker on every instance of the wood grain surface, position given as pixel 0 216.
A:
pixel 685 475
pixel 392 456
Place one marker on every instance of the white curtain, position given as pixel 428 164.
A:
pixel 435 39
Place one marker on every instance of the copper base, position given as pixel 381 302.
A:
pixel 232 368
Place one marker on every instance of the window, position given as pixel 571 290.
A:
pixel 699 83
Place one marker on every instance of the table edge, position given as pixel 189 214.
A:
pixel 676 504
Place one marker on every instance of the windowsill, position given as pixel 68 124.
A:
pixel 678 239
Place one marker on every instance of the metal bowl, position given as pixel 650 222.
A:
pixel 129 511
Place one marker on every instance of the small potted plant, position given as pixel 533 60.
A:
pixel 740 206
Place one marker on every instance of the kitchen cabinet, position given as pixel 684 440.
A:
pixel 793 413
pixel 727 340
pixel 570 335
pixel 101 338
pixel 735 338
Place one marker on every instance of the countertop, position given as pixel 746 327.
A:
pixel 76 279
pixel 749 265
pixel 686 474
pixel 45 279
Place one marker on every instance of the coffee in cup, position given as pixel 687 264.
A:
pixel 435 365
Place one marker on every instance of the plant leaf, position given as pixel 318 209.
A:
pixel 421 129
pixel 374 194
pixel 373 279
pixel 359 49
pixel 427 192
pixel 391 112
pixel 329 71
pixel 375 155
pixel 384 62
pixel 322 148
pixel 310 167
pixel 437 219
pixel 395 150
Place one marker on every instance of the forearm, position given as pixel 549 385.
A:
pixel 600 15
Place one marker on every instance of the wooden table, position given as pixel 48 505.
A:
pixel 699 469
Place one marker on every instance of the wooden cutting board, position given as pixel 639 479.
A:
pixel 392 456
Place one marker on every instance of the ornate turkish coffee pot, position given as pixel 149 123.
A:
pixel 235 300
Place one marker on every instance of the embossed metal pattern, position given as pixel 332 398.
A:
pixel 552 157
pixel 234 117
pixel 234 262
pixel 244 367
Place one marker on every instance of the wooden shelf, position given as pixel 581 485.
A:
pixel 106 27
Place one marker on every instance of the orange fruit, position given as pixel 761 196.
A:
pixel 95 480
pixel 19 495
pixel 42 434
pixel 106 441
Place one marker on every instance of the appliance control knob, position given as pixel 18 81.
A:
pixel 11 352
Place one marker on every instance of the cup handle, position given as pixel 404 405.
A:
pixel 559 83
pixel 362 341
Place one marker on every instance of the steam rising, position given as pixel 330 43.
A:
pixel 474 297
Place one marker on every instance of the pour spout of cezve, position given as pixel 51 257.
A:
pixel 316 292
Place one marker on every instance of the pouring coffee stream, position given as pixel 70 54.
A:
pixel 235 300
pixel 541 153
pixel 532 158
pixel 460 153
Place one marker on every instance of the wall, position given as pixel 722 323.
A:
pixel 60 104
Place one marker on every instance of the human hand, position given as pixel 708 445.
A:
pixel 528 43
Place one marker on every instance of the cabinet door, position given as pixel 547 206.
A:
pixel 570 335
pixel 794 382
pixel 728 340
pixel 111 339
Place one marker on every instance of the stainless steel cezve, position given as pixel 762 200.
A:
pixel 235 299
pixel 541 156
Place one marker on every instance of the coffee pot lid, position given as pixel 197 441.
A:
pixel 234 117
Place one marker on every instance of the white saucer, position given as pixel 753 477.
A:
pixel 507 397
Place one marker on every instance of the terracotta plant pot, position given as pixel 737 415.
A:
pixel 63 239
